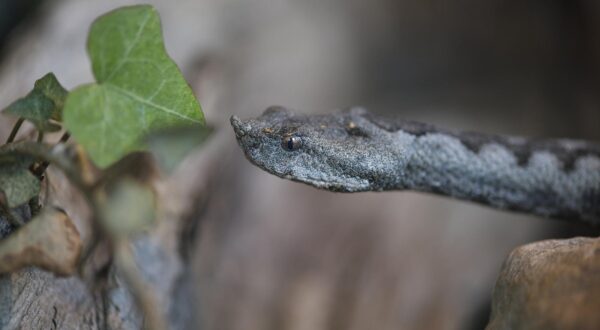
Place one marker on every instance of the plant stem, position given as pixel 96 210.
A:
pixel 65 137
pixel 40 137
pixel 34 206
pixel 44 165
pixel 15 130
pixel 43 152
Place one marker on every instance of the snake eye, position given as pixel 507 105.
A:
pixel 291 143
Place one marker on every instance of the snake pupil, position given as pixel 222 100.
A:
pixel 291 143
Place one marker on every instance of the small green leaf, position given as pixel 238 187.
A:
pixel 53 90
pixel 139 88
pixel 36 108
pixel 171 146
pixel 43 103
pixel 17 183
pixel 128 209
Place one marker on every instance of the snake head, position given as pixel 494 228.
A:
pixel 339 151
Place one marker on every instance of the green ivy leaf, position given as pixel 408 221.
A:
pixel 139 88
pixel 52 89
pixel 43 103
pixel 171 146
pixel 17 183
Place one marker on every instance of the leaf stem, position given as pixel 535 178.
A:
pixel 65 137
pixel 39 171
pixel 15 130
pixel 34 206
pixel 44 152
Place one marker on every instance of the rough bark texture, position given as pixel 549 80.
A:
pixel 35 299
pixel 552 284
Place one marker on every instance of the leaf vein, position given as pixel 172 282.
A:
pixel 151 104
pixel 133 43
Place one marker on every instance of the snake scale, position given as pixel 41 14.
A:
pixel 354 150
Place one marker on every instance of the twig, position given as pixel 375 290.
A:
pixel 34 206
pixel 44 152
pixel 15 130
pixel 39 171
pixel 65 137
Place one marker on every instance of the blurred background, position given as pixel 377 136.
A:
pixel 272 254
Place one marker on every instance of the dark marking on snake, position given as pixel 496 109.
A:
pixel 474 141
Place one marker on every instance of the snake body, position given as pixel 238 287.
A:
pixel 353 150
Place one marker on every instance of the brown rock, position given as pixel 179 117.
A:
pixel 552 284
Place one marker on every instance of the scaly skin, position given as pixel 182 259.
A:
pixel 354 150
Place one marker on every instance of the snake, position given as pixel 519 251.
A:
pixel 354 150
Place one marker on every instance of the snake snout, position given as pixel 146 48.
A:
pixel 240 128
